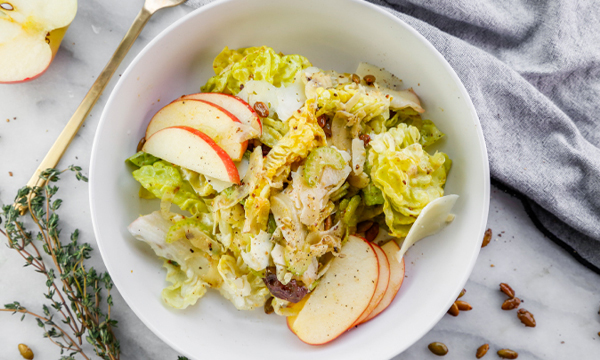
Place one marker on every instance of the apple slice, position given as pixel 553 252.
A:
pixel 297 306
pixel 30 34
pixel 194 150
pixel 216 122
pixel 382 284
pixel 343 294
pixel 396 278
pixel 238 107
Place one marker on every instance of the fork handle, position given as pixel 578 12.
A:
pixel 66 136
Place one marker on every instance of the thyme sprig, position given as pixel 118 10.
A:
pixel 74 292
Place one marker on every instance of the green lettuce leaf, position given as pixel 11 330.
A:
pixel 273 130
pixel 235 67
pixel 427 129
pixel 408 177
pixel 361 104
pixel 372 195
pixel 430 133
pixel 141 158
pixel 162 178
pixel 184 291
pixel 190 269
pixel 244 288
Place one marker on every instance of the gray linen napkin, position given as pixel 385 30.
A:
pixel 532 69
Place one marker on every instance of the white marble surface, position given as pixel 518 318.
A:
pixel 563 295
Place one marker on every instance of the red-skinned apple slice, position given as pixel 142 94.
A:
pixel 382 284
pixel 214 121
pixel 396 278
pixel 238 107
pixel 343 294
pixel 194 150
pixel 30 34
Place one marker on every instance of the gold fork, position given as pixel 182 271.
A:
pixel 66 136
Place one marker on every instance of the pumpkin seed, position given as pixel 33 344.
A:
pixel 505 288
pixel 508 354
pixel 487 237
pixel 454 311
pixel 25 351
pixel 369 79
pixel 438 348
pixel 510 304
pixel 482 350
pixel 463 305
pixel 526 318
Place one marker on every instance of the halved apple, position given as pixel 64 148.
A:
pixel 214 121
pixel 194 150
pixel 342 296
pixel 238 107
pixel 30 34
pixel 396 278
pixel 382 284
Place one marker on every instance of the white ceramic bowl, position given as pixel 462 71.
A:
pixel 332 34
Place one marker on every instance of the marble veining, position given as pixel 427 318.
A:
pixel 563 295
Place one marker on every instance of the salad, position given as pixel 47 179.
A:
pixel 281 174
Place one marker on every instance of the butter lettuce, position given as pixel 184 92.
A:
pixel 408 177
pixel 189 269
pixel 235 67
pixel 272 131
pixel 184 291
pixel 428 131
pixel 355 102
pixel 244 288
pixel 162 178
pixel 142 158
pixel 304 135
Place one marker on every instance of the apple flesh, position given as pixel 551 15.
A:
pixel 396 278
pixel 342 296
pixel 297 306
pixel 214 121
pixel 194 150
pixel 30 34
pixel 382 284
pixel 236 106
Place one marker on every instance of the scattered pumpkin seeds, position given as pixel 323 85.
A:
pixel 463 305
pixel 482 350
pixel 510 304
pixel 438 348
pixel 508 354
pixel 454 311
pixel 526 318
pixel 487 237
pixel 505 288
pixel 25 351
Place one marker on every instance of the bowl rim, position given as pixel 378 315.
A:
pixel 393 351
